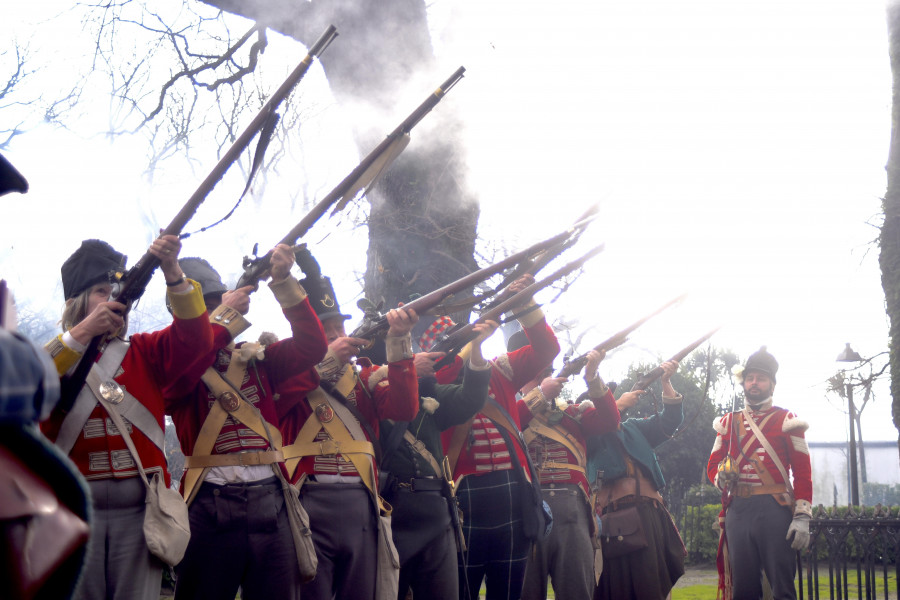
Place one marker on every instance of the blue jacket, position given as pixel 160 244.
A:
pixel 639 437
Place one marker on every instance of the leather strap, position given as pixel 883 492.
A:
pixel 245 413
pixel 538 426
pixel 454 449
pixel 742 490
pixel 123 429
pixel 134 411
pixel 769 450
pixel 419 448
pixel 84 404
pixel 555 465
pixel 344 431
pixel 328 448
pixel 243 459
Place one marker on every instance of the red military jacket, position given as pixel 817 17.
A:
pixel 151 362
pixel 509 373
pixel 382 392
pixel 785 433
pixel 263 380
pixel 581 421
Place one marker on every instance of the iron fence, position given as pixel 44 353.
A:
pixel 853 551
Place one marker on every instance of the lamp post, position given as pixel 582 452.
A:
pixel 849 355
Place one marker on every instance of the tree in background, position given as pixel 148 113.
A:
pixel 889 241
pixel 422 216
pixel 704 379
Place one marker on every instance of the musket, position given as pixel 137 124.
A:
pixel 454 341
pixel 532 267
pixel 373 326
pixel 256 269
pixel 134 282
pixel 644 382
pixel 575 365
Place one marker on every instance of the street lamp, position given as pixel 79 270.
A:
pixel 849 355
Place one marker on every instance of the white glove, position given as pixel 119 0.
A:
pixel 799 531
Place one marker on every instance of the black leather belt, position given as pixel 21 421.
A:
pixel 422 485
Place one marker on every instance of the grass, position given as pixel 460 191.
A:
pixel 702 584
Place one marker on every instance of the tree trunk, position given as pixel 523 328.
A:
pixel 423 218
pixel 889 258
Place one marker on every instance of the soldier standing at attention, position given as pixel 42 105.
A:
pixel 766 517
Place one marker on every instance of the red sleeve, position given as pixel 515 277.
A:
pixel 720 448
pixel 172 352
pixel 602 418
pixel 524 414
pixel 397 395
pixel 801 469
pixel 303 350
pixel 180 389
pixel 528 361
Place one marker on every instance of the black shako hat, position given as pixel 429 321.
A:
pixel 94 262
pixel 318 287
pixel 10 179
pixel 516 341
pixel 763 362
pixel 202 272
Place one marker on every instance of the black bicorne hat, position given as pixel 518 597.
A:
pixel 318 287
pixel 94 262
pixel 202 272
pixel 762 362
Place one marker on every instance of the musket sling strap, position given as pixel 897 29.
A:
pixel 202 459
pixel 129 407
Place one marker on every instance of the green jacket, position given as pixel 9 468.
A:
pixel 639 437
pixel 457 404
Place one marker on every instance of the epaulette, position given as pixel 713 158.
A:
pixel 721 424
pixel 794 424
pixel 502 364
pixel 376 377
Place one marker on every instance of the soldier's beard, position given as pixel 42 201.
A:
pixel 758 398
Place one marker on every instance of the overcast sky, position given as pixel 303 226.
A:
pixel 737 150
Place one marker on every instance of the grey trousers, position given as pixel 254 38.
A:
pixel 566 556
pixel 345 532
pixel 118 565
pixel 240 537
pixel 755 529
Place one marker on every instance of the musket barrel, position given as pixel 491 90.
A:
pixel 646 380
pixel 576 364
pixel 466 334
pixel 432 299
pixel 254 274
pixel 137 278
